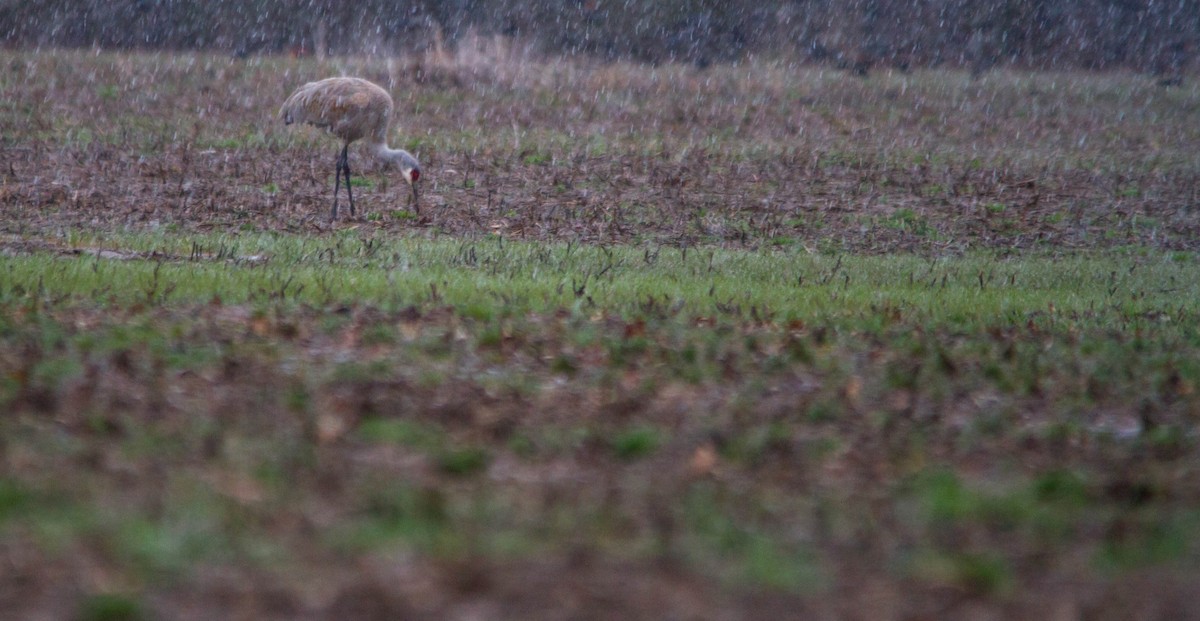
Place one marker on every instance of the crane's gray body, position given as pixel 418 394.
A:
pixel 351 109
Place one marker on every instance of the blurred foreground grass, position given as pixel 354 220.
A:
pixel 179 401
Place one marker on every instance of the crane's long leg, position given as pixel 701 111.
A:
pixel 337 185
pixel 346 167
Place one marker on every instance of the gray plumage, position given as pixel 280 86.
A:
pixel 351 109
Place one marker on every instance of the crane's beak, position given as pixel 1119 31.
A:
pixel 415 197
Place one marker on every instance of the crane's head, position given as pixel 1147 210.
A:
pixel 408 165
pixel 412 174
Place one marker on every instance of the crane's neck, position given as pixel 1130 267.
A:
pixel 398 157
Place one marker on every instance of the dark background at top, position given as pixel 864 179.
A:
pixel 1160 36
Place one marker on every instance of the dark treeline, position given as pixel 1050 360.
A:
pixel 1161 36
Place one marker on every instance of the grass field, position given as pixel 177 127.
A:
pixel 748 342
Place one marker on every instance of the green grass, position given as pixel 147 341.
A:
pixel 14 500
pixel 447 361
pixel 1113 289
pixel 111 607
pixel 636 443
pixel 398 431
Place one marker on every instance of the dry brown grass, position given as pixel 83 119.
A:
pixel 733 156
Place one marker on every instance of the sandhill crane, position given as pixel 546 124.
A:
pixel 351 109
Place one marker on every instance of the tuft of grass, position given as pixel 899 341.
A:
pixel 416 517
pixel 107 92
pixel 717 536
pixel 463 461
pixel 1137 539
pixel 636 443
pixel 111 607
pixel 15 499
pixel 978 573
pixel 537 159
pixel 402 431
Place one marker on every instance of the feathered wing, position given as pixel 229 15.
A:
pixel 295 108
pixel 350 108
